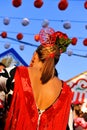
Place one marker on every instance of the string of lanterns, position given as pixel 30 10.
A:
pixel 45 23
pixel 62 4
pixel 19 38
pixel 25 21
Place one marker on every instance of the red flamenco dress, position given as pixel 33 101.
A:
pixel 23 113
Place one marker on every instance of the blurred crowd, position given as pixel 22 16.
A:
pixel 80 115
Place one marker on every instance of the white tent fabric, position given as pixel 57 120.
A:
pixel 78 85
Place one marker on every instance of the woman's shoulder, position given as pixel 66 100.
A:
pixel 55 84
pixel 57 81
pixel 64 86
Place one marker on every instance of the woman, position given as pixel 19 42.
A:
pixel 40 100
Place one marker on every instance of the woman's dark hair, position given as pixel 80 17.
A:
pixel 56 73
pixel 49 56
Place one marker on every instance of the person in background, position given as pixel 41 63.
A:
pixel 2 102
pixel 40 100
pixel 80 117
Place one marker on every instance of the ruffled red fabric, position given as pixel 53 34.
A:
pixel 23 113
pixel 19 115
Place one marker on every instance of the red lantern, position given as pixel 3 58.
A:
pixel 63 4
pixel 85 4
pixel 38 3
pixel 85 42
pixel 19 36
pixel 16 3
pixel 4 34
pixel 37 37
pixel 74 41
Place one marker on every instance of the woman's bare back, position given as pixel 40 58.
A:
pixel 44 94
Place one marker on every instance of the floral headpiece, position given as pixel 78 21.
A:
pixel 50 37
pixel 62 40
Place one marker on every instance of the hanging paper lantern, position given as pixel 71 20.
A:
pixel 6 21
pixel 45 23
pixel 21 47
pixel 16 3
pixel 67 25
pixel 85 4
pixel 69 52
pixel 37 37
pixel 85 26
pixel 74 41
pixel 4 34
pixel 25 21
pixel 63 4
pixel 85 42
pixel 19 36
pixel 38 3
pixel 7 45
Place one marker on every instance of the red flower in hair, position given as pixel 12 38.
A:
pixel 62 40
